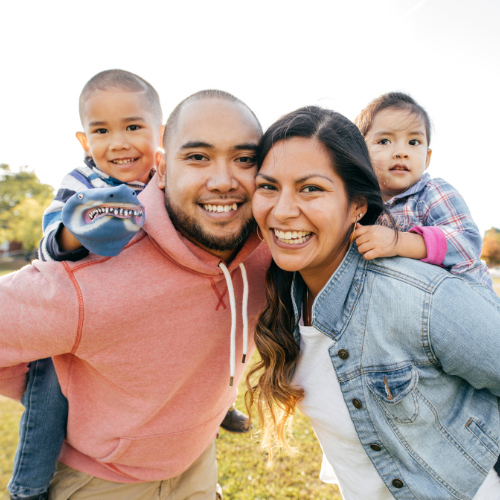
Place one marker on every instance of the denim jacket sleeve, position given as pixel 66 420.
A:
pixel 444 207
pixel 464 332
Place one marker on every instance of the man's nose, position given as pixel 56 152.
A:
pixel 222 180
pixel 286 207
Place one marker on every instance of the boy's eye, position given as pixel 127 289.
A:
pixel 415 142
pixel 101 131
pixel 311 189
pixel 133 127
pixel 246 159
pixel 384 142
pixel 197 157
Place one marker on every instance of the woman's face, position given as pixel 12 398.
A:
pixel 301 207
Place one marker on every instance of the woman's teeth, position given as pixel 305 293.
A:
pixel 292 237
pixel 124 162
pixel 220 208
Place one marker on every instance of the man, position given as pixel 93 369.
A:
pixel 142 339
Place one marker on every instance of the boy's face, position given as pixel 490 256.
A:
pixel 121 134
pixel 397 142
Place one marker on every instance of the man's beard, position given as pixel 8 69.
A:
pixel 189 226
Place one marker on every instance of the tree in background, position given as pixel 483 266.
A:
pixel 23 199
pixel 491 247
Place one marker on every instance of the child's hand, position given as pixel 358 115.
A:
pixel 376 241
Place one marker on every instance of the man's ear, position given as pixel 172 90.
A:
pixel 428 160
pixel 160 168
pixel 82 139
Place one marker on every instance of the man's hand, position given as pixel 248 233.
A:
pixel 381 241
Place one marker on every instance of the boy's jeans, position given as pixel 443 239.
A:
pixel 41 431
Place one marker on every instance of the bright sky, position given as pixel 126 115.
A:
pixel 274 55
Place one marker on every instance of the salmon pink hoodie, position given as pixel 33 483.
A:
pixel 141 346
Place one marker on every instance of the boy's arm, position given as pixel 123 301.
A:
pixel 58 243
pixel 40 317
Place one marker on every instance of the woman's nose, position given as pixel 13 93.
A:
pixel 286 208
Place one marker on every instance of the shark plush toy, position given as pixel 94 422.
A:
pixel 104 220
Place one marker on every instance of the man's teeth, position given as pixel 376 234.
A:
pixel 292 237
pixel 122 212
pixel 220 208
pixel 124 162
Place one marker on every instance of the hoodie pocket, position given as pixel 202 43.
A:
pixel 394 391
pixel 172 452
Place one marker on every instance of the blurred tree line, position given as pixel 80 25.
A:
pixel 491 247
pixel 23 199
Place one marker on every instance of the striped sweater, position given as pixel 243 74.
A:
pixel 80 179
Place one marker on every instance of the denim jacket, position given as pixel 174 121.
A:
pixel 417 355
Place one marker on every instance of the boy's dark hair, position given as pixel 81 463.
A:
pixel 173 119
pixel 122 80
pixel 395 100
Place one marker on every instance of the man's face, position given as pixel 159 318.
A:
pixel 209 176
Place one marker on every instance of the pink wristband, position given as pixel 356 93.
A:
pixel 435 241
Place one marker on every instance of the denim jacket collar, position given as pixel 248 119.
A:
pixel 335 302
pixel 412 190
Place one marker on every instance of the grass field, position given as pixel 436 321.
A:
pixel 243 473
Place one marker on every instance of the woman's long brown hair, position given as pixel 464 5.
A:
pixel 269 383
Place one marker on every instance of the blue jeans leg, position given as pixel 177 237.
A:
pixel 41 431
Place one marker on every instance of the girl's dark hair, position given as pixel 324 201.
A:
pixel 273 392
pixel 395 100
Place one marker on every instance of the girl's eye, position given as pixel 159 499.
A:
pixel 133 127
pixel 100 131
pixel 384 142
pixel 266 187
pixel 246 159
pixel 197 157
pixel 311 189
pixel 415 142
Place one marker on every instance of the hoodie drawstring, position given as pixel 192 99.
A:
pixel 232 302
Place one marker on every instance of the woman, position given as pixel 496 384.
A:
pixel 394 361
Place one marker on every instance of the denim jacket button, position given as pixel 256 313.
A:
pixel 376 447
pixel 397 483
pixel 343 353
pixel 357 403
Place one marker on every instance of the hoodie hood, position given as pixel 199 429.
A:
pixel 175 246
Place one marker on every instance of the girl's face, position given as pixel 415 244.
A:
pixel 397 142
pixel 301 207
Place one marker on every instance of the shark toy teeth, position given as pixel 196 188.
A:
pixel 104 220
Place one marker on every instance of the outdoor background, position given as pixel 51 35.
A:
pixel 276 56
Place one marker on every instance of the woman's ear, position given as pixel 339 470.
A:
pixel 161 168
pixel 358 210
pixel 82 139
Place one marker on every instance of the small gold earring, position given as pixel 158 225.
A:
pixel 351 239
pixel 261 239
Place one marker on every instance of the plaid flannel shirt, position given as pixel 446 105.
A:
pixel 434 202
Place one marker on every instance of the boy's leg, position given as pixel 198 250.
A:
pixel 41 432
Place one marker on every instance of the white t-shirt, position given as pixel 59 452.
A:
pixel 345 462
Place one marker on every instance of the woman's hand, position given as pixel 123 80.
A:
pixel 381 241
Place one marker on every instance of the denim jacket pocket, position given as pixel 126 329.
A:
pixel 483 437
pixel 395 392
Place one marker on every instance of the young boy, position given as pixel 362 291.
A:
pixel 122 120
pixel 434 220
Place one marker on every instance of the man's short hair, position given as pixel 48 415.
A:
pixel 173 119
pixel 122 80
